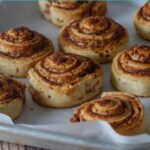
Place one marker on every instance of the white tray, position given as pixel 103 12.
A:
pixel 15 14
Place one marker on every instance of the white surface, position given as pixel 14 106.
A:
pixel 15 14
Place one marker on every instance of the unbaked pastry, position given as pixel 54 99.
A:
pixel 12 96
pixel 65 80
pixel 124 112
pixel 98 38
pixel 142 21
pixel 61 13
pixel 131 71
pixel 20 49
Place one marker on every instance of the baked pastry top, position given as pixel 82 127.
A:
pixel 71 79
pixel 22 42
pixel 144 12
pixel 61 13
pixel 20 48
pixel 136 60
pixel 99 38
pixel 142 21
pixel 131 71
pixel 12 96
pixel 124 112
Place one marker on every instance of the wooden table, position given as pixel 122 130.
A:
pixel 11 146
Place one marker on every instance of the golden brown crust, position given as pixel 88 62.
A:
pixel 142 21
pixel 65 80
pixel 93 32
pixel 124 112
pixel 136 61
pixel 22 42
pixel 144 12
pixel 66 5
pixel 61 13
pixel 130 71
pixel 93 8
pixel 101 36
pixel 20 49
pixel 10 90
pixel 99 8
pixel 65 69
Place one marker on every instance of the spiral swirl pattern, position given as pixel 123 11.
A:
pixel 64 68
pixel 123 111
pixel 22 42
pixel 144 12
pixel 136 60
pixel 94 32
pixel 10 89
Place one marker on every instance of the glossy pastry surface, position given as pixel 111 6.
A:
pixel 65 80
pixel 20 49
pixel 131 71
pixel 124 112
pixel 61 13
pixel 98 38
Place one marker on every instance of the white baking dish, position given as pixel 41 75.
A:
pixel 15 14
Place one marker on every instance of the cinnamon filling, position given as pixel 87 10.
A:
pixel 110 109
pixel 21 42
pixel 61 68
pixel 144 12
pixel 94 30
pixel 136 60
pixel 10 89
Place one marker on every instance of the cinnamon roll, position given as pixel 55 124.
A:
pixel 61 13
pixel 12 96
pixel 65 80
pixel 20 49
pixel 124 112
pixel 98 38
pixel 142 21
pixel 131 71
